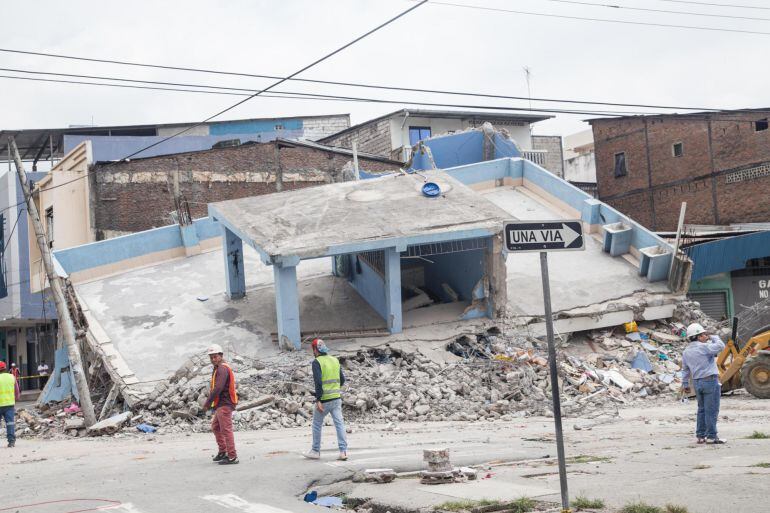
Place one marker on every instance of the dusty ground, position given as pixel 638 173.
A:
pixel 645 453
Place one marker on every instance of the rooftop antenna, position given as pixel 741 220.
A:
pixel 528 74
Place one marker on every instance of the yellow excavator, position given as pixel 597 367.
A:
pixel 745 360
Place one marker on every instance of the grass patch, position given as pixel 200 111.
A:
pixel 640 507
pixel 581 502
pixel 522 505
pixel 675 508
pixel 583 458
pixel 758 435
pixel 701 467
pixel 761 465
pixel 464 505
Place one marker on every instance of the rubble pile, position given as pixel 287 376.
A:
pixel 495 377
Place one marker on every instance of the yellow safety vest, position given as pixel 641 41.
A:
pixel 330 377
pixel 7 390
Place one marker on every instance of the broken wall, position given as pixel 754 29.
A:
pixel 134 196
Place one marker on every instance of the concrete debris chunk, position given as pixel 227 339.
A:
pixel 109 426
pixel 379 475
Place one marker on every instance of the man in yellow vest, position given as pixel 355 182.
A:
pixel 328 379
pixel 9 394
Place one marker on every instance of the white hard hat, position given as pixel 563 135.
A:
pixel 695 329
pixel 214 349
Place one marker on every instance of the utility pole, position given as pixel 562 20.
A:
pixel 65 320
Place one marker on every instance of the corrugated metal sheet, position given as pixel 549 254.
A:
pixel 725 255
pixel 714 304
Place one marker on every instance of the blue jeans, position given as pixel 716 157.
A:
pixel 8 413
pixel 335 409
pixel 708 391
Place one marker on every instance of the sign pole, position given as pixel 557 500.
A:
pixel 554 382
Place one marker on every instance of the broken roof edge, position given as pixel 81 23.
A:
pixel 425 113
pixel 270 256
pixel 277 141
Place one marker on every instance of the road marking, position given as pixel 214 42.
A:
pixel 123 508
pixel 232 501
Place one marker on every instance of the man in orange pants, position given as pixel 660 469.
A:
pixel 222 397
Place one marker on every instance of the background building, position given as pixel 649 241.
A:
pixel 718 162
pixel 27 320
pixel 116 142
pixel 580 160
pixel 393 135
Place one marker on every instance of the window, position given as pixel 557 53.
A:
pixel 678 149
pixel 760 125
pixel 418 133
pixel 49 226
pixel 279 127
pixel 620 164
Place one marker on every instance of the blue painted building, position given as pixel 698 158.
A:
pixel 116 142
pixel 27 320
pixel 731 273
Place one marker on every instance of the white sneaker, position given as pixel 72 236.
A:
pixel 312 455
pixel 716 441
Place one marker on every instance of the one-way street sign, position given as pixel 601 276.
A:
pixel 544 236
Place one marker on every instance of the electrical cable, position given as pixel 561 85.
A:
pixel 328 82
pixel 663 11
pixel 282 80
pixel 231 107
pixel 604 20
pixel 692 2
pixel 206 86
pixel 318 96
pixel 5 245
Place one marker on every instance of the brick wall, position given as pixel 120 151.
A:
pixel 137 195
pixel 318 128
pixel 554 159
pixel 721 173
pixel 372 138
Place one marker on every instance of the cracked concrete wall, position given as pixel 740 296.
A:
pixel 497 273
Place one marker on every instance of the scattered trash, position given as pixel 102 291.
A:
pixel 72 408
pixel 146 428
pixel 311 496
pixel 328 501
pixel 202 298
pixel 631 327
pixel 642 362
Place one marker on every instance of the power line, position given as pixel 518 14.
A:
pixel 282 80
pixel 604 20
pixel 294 95
pixel 240 102
pixel 717 5
pixel 664 11
pixel 324 82
pixel 317 96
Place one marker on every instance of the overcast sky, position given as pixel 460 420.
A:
pixel 435 46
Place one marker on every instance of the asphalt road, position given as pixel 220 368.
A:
pixel 646 453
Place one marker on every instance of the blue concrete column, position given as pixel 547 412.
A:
pixel 287 305
pixel 393 290
pixel 232 249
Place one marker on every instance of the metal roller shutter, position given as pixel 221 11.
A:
pixel 713 304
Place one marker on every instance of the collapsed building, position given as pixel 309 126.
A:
pixel 366 264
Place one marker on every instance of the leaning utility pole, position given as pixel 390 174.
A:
pixel 65 320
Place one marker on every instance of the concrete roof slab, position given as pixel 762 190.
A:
pixel 360 216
